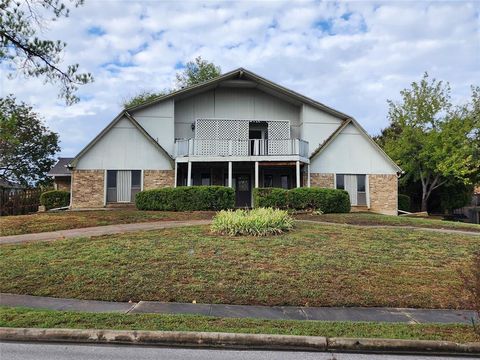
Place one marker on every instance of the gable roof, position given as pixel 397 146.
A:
pixel 135 123
pixel 242 73
pixel 342 126
pixel 60 168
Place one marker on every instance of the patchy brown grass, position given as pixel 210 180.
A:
pixel 15 317
pixel 42 222
pixel 366 219
pixel 314 265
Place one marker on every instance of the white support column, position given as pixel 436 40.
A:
pixel 308 175
pixel 189 173
pixel 176 170
pixel 298 173
pixel 230 174
pixel 256 174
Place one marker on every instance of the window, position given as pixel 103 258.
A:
pixel 341 181
pixel 355 185
pixel 205 180
pixel 268 181
pixel 136 178
pixel 112 178
pixel 361 193
pixel 284 181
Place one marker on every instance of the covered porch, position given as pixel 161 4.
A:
pixel 243 176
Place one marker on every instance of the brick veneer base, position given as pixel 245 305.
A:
pixel 322 180
pixel 154 179
pixel 383 193
pixel 87 188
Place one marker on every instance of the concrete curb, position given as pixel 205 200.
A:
pixel 237 341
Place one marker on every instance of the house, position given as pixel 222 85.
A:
pixel 471 212
pixel 238 130
pixel 61 174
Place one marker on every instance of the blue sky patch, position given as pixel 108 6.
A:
pixel 96 31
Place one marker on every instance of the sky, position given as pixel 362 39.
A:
pixel 351 56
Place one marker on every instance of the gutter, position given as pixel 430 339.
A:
pixel 238 341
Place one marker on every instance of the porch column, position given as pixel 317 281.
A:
pixel 308 175
pixel 189 173
pixel 298 173
pixel 230 172
pixel 175 179
pixel 256 174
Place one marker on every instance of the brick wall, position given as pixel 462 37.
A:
pixel 383 193
pixel 154 179
pixel 87 188
pixel 322 180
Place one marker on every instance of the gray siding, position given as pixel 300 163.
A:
pixel 124 147
pixel 157 120
pixel 351 153
pixel 233 103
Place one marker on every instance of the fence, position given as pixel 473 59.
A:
pixel 15 201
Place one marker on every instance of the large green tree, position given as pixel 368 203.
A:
pixel 21 23
pixel 195 72
pixel 434 142
pixel 27 147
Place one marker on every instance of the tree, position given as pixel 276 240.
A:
pixel 27 147
pixel 430 139
pixel 20 21
pixel 143 97
pixel 196 72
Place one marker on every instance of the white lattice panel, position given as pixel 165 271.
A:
pixel 278 130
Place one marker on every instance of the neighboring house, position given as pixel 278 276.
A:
pixel 471 211
pixel 61 174
pixel 238 130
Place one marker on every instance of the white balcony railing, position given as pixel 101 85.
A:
pixel 237 147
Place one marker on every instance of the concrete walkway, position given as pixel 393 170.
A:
pixel 98 230
pixel 417 228
pixel 412 316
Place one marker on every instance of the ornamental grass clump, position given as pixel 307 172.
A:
pixel 256 222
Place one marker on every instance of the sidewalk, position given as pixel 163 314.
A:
pixel 412 316
pixel 98 230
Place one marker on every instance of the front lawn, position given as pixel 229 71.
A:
pixel 378 219
pixel 14 317
pixel 41 222
pixel 313 265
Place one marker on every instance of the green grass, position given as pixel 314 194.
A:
pixel 16 317
pixel 313 265
pixel 378 219
pixel 42 222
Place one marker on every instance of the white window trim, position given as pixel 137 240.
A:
pixel 367 190
pixel 105 187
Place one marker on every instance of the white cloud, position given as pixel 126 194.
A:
pixel 350 55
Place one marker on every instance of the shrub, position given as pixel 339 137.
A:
pixel 186 198
pixel 55 199
pixel 403 202
pixel 270 197
pixel 256 222
pixel 324 200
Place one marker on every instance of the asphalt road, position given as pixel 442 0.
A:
pixel 27 351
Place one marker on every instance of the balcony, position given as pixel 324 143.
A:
pixel 241 148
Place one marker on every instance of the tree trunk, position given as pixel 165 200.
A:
pixel 424 202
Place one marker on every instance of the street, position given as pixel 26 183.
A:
pixel 37 351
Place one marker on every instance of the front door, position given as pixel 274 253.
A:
pixel 243 191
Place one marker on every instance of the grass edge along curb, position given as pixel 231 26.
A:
pixel 236 340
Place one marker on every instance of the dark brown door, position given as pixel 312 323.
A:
pixel 243 190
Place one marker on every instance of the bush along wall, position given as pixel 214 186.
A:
pixel 324 200
pixel 55 199
pixel 186 198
